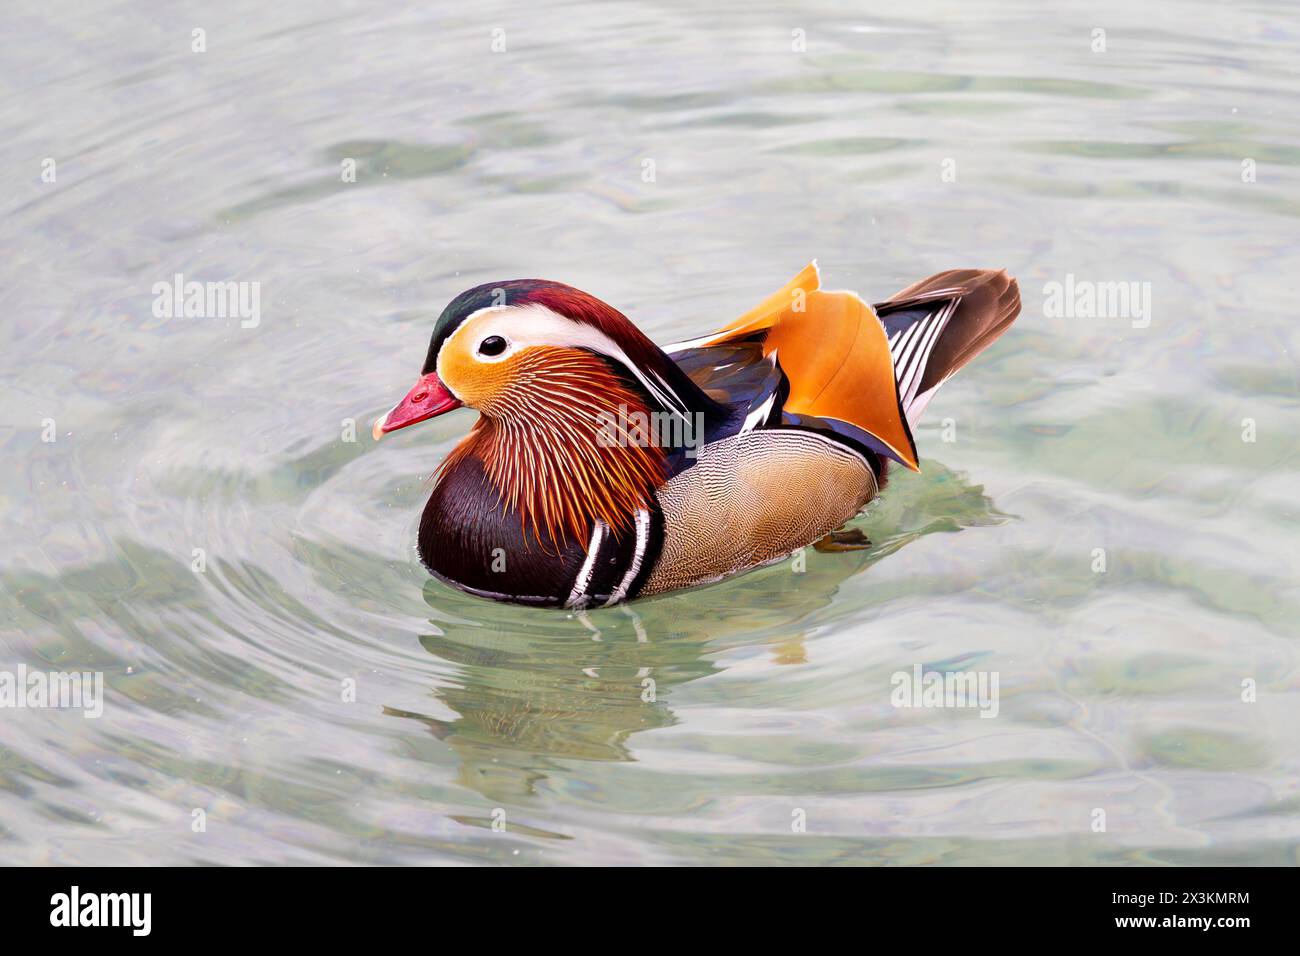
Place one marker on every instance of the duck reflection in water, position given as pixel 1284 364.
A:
pixel 535 690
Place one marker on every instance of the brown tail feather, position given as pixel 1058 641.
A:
pixel 990 302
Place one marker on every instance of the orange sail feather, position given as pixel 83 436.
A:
pixel 834 351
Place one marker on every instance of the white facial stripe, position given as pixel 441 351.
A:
pixel 480 331
pixel 523 326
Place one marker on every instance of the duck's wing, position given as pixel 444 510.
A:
pixel 824 354
pixel 849 367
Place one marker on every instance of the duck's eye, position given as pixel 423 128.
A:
pixel 492 345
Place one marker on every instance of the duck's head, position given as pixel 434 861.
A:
pixel 519 348
pixel 561 381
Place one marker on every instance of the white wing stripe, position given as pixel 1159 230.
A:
pixel 903 341
pixel 913 336
pixel 912 351
pixel 916 371
pixel 758 415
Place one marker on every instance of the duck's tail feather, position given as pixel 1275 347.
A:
pixel 937 325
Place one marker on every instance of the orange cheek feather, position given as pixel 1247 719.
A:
pixel 478 384
pixel 543 440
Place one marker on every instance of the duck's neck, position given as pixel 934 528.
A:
pixel 566 451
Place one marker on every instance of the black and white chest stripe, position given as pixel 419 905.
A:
pixel 616 566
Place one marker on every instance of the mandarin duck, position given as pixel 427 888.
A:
pixel 603 467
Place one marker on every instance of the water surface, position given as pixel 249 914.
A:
pixel 322 701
